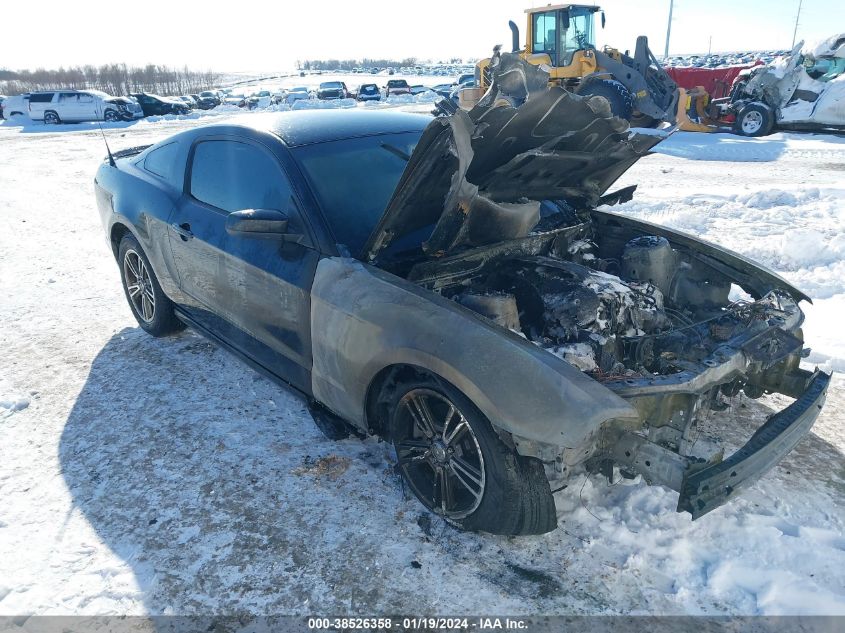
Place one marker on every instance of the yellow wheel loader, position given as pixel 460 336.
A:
pixel 561 40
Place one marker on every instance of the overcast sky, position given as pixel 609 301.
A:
pixel 257 36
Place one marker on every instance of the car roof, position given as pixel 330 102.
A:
pixel 306 127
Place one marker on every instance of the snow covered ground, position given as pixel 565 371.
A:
pixel 162 476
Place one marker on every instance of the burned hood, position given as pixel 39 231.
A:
pixel 478 177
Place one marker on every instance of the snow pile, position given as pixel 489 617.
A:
pixel 745 552
pixel 732 148
pixel 11 402
pixel 429 96
pixel 400 99
pixel 829 46
pixel 319 104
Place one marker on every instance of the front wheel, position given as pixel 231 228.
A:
pixel 150 306
pixel 51 118
pixel 755 119
pixel 110 116
pixel 458 467
pixel 617 95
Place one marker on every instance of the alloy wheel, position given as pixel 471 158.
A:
pixel 439 454
pixel 139 285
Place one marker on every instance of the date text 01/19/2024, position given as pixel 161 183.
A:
pixel 418 623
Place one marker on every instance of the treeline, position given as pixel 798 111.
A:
pixel 115 79
pixel 349 64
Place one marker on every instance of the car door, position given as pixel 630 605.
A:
pixel 251 292
pixel 68 106
pixel 87 109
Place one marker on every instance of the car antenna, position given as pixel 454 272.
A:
pixel 108 149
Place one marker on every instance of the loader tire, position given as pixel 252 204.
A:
pixel 620 99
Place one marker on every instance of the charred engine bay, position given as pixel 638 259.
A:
pixel 636 310
pixel 511 190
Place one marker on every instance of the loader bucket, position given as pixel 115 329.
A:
pixel 694 100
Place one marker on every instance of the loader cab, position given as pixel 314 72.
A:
pixel 560 31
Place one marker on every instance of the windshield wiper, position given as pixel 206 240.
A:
pixel 396 151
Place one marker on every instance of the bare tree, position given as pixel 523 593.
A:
pixel 116 79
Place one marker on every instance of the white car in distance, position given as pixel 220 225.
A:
pixel 76 106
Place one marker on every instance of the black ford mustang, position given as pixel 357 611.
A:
pixel 413 278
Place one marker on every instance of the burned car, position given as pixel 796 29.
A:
pixel 452 285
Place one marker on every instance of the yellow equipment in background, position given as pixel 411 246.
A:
pixel 561 39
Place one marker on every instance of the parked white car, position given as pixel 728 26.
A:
pixel 75 106
pixel 296 94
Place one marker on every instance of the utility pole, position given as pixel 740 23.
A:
pixel 795 32
pixel 669 29
pixel 710 46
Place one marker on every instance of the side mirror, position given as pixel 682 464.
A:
pixel 258 223
pixel 565 19
pixel 603 19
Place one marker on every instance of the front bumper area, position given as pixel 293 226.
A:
pixel 707 489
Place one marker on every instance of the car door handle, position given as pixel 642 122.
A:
pixel 184 230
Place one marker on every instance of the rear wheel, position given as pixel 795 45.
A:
pixel 51 118
pixel 150 306
pixel 754 119
pixel 456 465
pixel 621 101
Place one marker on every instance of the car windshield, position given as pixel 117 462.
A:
pixel 397 83
pixel 330 85
pixel 299 89
pixel 353 180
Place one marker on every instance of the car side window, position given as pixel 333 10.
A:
pixel 164 163
pixel 44 97
pixel 233 176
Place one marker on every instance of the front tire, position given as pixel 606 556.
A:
pixel 110 116
pixel 620 99
pixel 51 118
pixel 150 306
pixel 755 119
pixel 459 468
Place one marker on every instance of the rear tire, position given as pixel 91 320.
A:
pixel 150 306
pixel 443 443
pixel 754 119
pixel 620 99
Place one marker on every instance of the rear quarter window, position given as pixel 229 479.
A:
pixel 166 163
pixel 44 97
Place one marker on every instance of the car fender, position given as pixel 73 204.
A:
pixel 364 319
pixel 128 196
